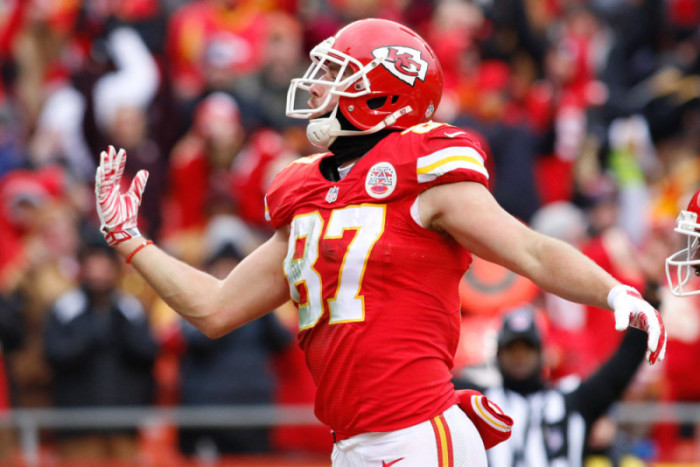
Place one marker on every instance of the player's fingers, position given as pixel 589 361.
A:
pixel 653 339
pixel 104 165
pixel 663 339
pixel 119 164
pixel 622 318
pixel 138 184
pixel 654 333
pixel 108 167
pixel 662 353
pixel 98 180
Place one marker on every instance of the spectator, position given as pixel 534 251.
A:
pixel 262 95
pixel 200 165
pixel 246 353
pixel 213 42
pixel 99 344
pixel 215 169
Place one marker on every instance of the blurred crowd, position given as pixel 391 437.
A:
pixel 590 110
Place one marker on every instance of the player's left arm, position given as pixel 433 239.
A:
pixel 469 213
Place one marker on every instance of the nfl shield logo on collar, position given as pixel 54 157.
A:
pixel 332 194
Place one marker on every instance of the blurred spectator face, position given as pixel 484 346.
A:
pixel 99 271
pixel 603 215
pixel 23 200
pixel 463 18
pixel 45 146
pixel 358 9
pixel 223 58
pixel 519 359
pixel 559 64
pixel 218 121
pixel 25 212
pixel 128 128
pixel 562 220
pixel 59 233
pixel 602 196
pixel 284 48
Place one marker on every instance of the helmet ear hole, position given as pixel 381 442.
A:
pixel 376 102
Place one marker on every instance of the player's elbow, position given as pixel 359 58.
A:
pixel 217 321
pixel 209 324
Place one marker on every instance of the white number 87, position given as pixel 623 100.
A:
pixel 347 305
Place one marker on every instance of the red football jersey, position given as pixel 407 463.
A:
pixel 377 293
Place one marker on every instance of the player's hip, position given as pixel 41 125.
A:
pixel 447 440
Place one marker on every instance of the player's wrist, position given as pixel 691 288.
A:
pixel 115 237
pixel 619 290
pixel 126 247
pixel 136 250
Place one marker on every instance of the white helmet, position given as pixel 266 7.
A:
pixel 684 265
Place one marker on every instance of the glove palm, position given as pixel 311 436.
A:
pixel 118 212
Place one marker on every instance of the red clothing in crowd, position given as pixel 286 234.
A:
pixel 206 35
pixel 19 190
pixel 196 188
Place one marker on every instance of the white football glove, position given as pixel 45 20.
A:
pixel 118 212
pixel 632 310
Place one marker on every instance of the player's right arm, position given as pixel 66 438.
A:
pixel 255 287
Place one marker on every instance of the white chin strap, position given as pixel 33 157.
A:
pixel 322 132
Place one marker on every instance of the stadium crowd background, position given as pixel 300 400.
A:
pixel 590 111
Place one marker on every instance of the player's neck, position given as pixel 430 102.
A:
pixel 348 149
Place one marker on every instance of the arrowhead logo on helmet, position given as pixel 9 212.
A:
pixel 405 63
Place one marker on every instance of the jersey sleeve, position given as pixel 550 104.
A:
pixel 277 205
pixel 284 191
pixel 449 154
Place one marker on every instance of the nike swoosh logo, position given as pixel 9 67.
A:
pixel 452 135
pixel 385 464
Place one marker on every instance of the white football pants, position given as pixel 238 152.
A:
pixel 448 440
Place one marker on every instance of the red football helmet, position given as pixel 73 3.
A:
pixel 388 77
pixel 682 266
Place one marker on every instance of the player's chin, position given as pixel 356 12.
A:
pixel 319 112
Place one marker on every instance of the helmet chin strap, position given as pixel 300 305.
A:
pixel 322 132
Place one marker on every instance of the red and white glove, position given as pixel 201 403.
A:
pixel 632 310
pixel 118 212
pixel 492 424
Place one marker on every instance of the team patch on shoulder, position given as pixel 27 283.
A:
pixel 381 180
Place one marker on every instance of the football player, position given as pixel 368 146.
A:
pixel 372 237
pixel 683 266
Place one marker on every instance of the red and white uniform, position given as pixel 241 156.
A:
pixel 377 293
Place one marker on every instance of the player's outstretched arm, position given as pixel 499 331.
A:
pixel 256 286
pixel 469 213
